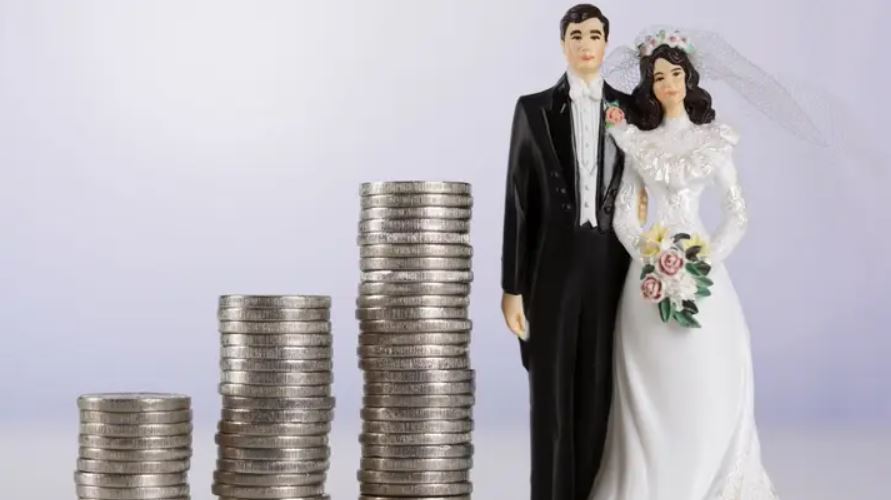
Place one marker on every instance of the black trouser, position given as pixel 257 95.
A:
pixel 570 352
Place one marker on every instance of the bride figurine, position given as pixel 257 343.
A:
pixel 682 424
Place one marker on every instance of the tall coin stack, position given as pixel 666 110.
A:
pixel 277 403
pixel 134 446
pixel 412 310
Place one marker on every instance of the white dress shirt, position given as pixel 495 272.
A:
pixel 586 106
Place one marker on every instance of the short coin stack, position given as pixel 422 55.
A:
pixel 412 310
pixel 134 446
pixel 277 403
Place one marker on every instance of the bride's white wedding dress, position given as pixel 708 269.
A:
pixel 682 423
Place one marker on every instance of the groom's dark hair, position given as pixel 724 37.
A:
pixel 581 13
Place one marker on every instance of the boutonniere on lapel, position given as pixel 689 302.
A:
pixel 614 114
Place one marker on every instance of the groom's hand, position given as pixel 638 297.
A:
pixel 512 307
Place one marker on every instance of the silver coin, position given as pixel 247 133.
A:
pixel 415 326
pixel 414 339
pixel 407 289
pixel 428 238
pixel 422 376
pixel 277 378
pixel 277 416
pixel 415 490
pixel 420 389
pixel 412 187
pixel 281 454
pixel 290 429
pixel 417 276
pixel 463 450
pixel 409 264
pixel 131 402
pixel 135 455
pixel 272 466
pixel 405 313
pixel 414 225
pixel 278 403
pixel 416 200
pixel 410 351
pixel 275 301
pixel 393 364
pixel 262 315
pixel 447 401
pixel 415 414
pixel 276 365
pixel 285 454
pixel 313 497
pixel 236 478
pixel 415 213
pixel 418 427
pixel 294 340
pixel 264 492
pixel 130 480
pixel 275 391
pixel 415 251
pixel 413 477
pixel 138 418
pixel 105 467
pixel 241 441
pixel 428 439
pixel 451 497
pixel 302 353
pixel 135 443
pixel 275 328
pixel 98 492
pixel 146 430
pixel 418 464
pixel 370 301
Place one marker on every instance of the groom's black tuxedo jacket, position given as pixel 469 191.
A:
pixel 542 182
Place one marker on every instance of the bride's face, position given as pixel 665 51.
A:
pixel 669 83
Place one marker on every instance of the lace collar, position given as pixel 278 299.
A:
pixel 704 147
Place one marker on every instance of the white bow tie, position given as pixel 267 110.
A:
pixel 594 91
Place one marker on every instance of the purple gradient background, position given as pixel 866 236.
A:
pixel 157 154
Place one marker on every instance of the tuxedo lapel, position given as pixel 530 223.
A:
pixel 559 123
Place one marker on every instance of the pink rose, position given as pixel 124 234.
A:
pixel 615 115
pixel 670 262
pixel 651 288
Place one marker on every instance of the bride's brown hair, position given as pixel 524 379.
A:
pixel 698 101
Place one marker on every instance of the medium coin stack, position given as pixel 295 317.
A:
pixel 277 405
pixel 134 446
pixel 414 335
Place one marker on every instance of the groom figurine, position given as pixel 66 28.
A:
pixel 562 266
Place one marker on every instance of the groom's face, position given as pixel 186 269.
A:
pixel 583 45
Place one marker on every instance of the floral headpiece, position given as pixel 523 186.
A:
pixel 674 39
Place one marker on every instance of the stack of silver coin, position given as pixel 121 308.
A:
pixel 277 403
pixel 134 446
pixel 414 335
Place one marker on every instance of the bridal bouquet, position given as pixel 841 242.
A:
pixel 675 274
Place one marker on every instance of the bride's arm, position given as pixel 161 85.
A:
pixel 735 218
pixel 627 221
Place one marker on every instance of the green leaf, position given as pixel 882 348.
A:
pixel 665 310
pixel 647 269
pixel 686 319
pixel 703 281
pixel 702 292
pixel 693 251
pixel 692 269
pixel 681 236
pixel 691 306
pixel 703 267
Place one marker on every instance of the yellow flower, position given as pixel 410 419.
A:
pixel 652 240
pixel 696 240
